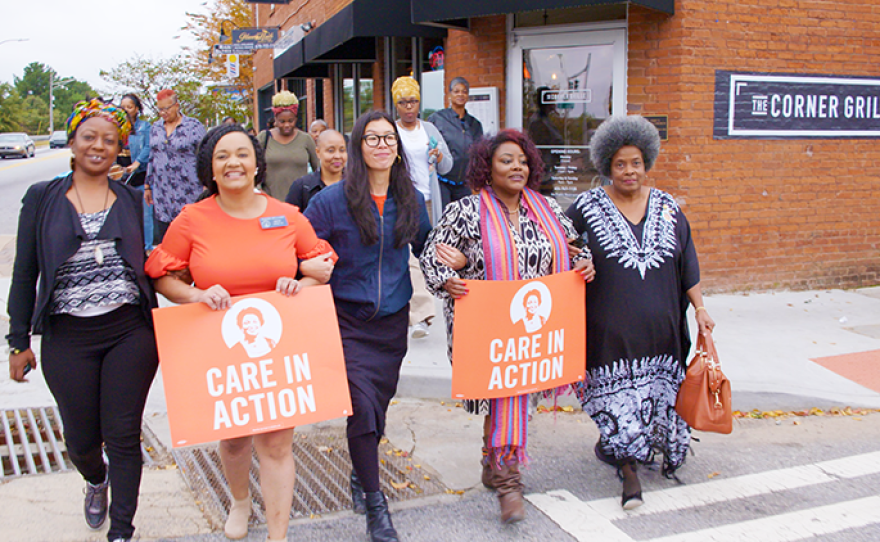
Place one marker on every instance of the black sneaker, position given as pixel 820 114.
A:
pixel 95 505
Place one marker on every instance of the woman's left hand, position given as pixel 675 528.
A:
pixel 288 286
pixel 705 323
pixel 586 269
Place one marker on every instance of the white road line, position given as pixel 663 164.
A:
pixel 750 485
pixel 593 520
pixel 791 526
pixel 576 517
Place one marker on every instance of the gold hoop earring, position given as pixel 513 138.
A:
pixel 398 159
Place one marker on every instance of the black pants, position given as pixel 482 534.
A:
pixel 453 192
pixel 159 229
pixel 99 370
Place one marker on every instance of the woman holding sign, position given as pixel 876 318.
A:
pixel 372 217
pixel 237 242
pixel 78 280
pixel 478 237
pixel 637 335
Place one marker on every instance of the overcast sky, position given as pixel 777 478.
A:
pixel 79 38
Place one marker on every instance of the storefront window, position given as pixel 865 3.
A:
pixel 353 82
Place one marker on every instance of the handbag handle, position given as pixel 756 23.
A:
pixel 713 366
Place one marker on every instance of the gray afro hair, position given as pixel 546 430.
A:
pixel 620 131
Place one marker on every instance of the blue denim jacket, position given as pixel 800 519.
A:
pixel 367 281
pixel 139 144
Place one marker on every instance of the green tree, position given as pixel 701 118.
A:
pixel 11 109
pixel 36 114
pixel 67 95
pixel 145 77
pixel 34 81
pixel 222 17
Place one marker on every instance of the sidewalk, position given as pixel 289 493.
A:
pixel 781 351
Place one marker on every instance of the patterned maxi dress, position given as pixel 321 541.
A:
pixel 637 336
pixel 460 227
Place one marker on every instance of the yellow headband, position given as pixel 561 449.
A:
pixel 405 87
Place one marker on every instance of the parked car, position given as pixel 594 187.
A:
pixel 17 145
pixel 58 140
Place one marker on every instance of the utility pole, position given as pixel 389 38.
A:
pixel 52 98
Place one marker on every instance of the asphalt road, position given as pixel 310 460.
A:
pixel 812 479
pixel 17 174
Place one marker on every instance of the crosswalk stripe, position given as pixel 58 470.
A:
pixel 750 485
pixel 791 526
pixel 593 520
pixel 577 517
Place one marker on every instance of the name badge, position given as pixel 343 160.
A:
pixel 272 222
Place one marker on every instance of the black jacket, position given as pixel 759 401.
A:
pixel 49 233
pixel 459 137
pixel 304 189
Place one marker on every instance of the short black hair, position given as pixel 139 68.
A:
pixel 204 159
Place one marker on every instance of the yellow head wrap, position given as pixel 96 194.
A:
pixel 405 87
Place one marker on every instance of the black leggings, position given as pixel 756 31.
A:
pixel 99 370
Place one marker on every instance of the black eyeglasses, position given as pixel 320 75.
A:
pixel 372 140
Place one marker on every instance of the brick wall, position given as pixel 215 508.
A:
pixel 480 56
pixel 765 214
pixel 286 16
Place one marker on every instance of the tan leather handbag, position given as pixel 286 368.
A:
pixel 704 397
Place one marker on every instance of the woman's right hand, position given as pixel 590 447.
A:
pixel 17 363
pixel 148 196
pixel 455 287
pixel 319 268
pixel 215 297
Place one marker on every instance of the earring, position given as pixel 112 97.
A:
pixel 398 159
pixel 257 171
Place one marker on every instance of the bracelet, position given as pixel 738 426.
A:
pixel 698 309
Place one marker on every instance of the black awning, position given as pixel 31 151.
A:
pixel 350 35
pixel 457 12
pixel 290 60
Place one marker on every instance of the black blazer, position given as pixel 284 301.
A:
pixel 303 190
pixel 49 233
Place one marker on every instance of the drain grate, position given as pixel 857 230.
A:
pixel 32 442
pixel 323 467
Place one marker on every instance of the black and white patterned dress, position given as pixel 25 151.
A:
pixel 460 227
pixel 637 336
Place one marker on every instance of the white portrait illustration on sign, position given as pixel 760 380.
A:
pixel 532 305
pixel 254 324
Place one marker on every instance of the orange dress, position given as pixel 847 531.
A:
pixel 238 254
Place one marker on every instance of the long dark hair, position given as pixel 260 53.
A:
pixel 204 158
pixel 357 187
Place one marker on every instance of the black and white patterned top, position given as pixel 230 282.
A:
pixel 82 283
pixel 460 227
pixel 636 304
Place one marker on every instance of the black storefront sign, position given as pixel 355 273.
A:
pixel 784 106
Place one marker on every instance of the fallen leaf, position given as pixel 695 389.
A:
pixel 394 402
pixel 714 474
pixel 443 403
pixel 427 477
pixel 388 452
pixel 399 485
pixel 383 440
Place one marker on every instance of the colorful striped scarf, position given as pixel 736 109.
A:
pixel 508 423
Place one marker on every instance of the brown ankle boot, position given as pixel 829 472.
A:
pixel 486 478
pixel 508 484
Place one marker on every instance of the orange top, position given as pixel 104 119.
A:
pixel 238 254
pixel 380 202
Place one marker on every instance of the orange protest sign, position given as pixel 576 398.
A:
pixel 270 362
pixel 520 336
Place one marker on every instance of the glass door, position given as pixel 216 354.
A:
pixel 561 87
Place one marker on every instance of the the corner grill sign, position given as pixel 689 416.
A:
pixel 749 105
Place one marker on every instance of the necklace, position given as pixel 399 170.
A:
pixel 99 254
